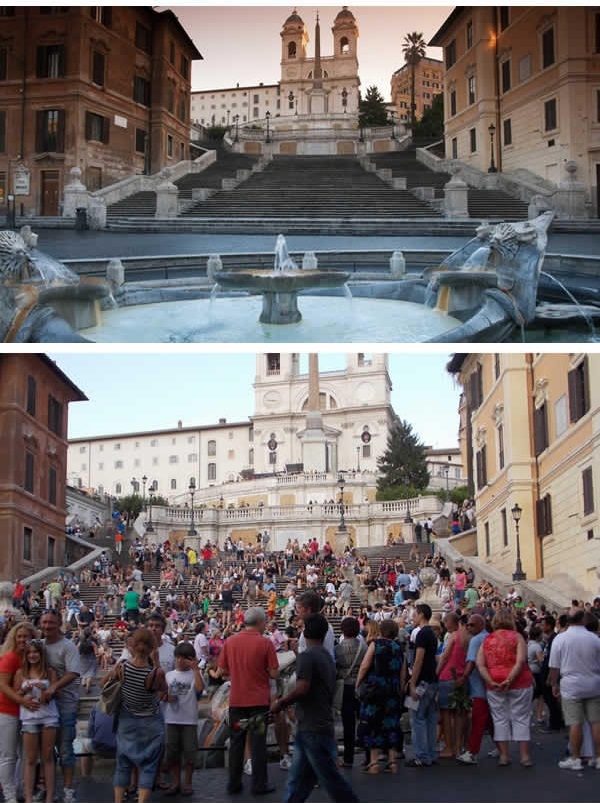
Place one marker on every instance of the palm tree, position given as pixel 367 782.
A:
pixel 413 49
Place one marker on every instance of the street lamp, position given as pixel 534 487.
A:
pixel 345 99
pixel 149 526
pixel 237 127
pixel 393 134
pixel 492 130
pixel 144 481
pixel 268 118
pixel 358 458
pixel 361 137
pixel 518 573
pixel 341 485
pixel 192 490
pixel 408 517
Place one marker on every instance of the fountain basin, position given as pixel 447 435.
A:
pixel 279 289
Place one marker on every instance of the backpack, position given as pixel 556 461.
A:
pixel 86 647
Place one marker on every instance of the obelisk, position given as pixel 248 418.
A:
pixel 314 440
pixel 318 96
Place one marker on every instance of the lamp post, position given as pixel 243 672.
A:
pixel 447 473
pixel 144 481
pixel 492 130
pixel 358 458
pixel 341 485
pixel 149 525
pixel 345 100
pixel 393 134
pixel 408 517
pixel 192 490
pixel 518 573
pixel 268 119
pixel 361 137
pixel 236 120
pixel 228 113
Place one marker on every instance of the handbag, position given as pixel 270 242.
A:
pixel 110 695
pixel 338 696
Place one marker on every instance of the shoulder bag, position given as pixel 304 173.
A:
pixel 340 682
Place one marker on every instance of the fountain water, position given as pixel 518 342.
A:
pixel 558 310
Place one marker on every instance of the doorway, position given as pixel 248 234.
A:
pixel 50 182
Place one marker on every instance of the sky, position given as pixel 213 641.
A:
pixel 240 43
pixel 133 392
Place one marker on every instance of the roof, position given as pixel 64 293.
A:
pixel 294 19
pixel 456 363
pixel 78 393
pixel 345 14
pixel 194 52
pixel 169 431
pixel 437 38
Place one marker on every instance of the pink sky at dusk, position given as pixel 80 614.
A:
pixel 241 43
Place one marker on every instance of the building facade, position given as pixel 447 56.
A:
pixel 429 77
pixel 356 412
pixel 523 83
pixel 530 435
pixel 105 89
pixel 34 399
pixel 294 94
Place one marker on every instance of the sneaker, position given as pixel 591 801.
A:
pixel 570 764
pixel 467 758
pixel 495 753
pixel 69 795
pixel 39 794
pixel 247 767
pixel 285 763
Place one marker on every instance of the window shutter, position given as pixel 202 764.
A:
pixel 40 130
pixel 60 133
pixel 40 62
pixel 105 129
pixel 588 491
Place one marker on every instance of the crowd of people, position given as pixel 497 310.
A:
pixel 486 661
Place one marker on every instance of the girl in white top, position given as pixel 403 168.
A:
pixel 41 724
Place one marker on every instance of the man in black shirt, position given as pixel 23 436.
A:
pixel 315 749
pixel 423 691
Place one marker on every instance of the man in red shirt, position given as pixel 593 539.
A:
pixel 248 659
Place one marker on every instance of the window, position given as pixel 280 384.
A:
pixel 543 511
pixel 55 416
pixel 454 148
pixel 118 490
pixel 29 472
pixel 496 366
pixel 507 131
pixel 154 442
pixel 143 38
pixel 169 145
pixel 471 90
pixel 588 491
pixel 117 447
pixel 50 131
pixel 3 63
pixel 476 387
pixel 453 102
pixel 469 34
pixel 504 525
pixel 171 99
pixel 272 458
pixel 31 395
pixel 172 52
pixel 504 17
pixel 212 471
pixel 540 429
pixel 52 485
pixel 561 418
pixel 579 392
pixel 173 485
pixel 451 54
pixel 102 14
pixel 550 119
pixel 596 33
pixel 548 55
pixel 182 108
pixel 505 69
pixel 27 543
pixel 344 45
pixel 255 99
pixel 366 450
pixel 50 61
pixel 98 61
pixel 51 551
pixel 96 127
pixel 118 464
pixel 141 90
pixel 185 67
pixel 501 447
pixel 473 140
pixel 140 140
pixel 212 448
pixel 173 458
pixel 481 463
pixel 192 458
pixel 251 457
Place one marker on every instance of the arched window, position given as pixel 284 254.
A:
pixel 212 448
pixel 344 46
pixel 292 50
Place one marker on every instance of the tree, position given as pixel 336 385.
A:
pixel 371 109
pixel 413 48
pixel 431 124
pixel 403 465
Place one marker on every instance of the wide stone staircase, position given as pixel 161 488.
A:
pixel 313 187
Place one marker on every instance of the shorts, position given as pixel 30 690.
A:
pixel 182 744
pixel 575 712
pixel 445 689
pixel 39 725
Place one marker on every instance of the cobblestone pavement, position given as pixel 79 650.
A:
pixel 450 782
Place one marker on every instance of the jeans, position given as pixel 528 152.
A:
pixel 258 748
pixel 66 736
pixel 424 726
pixel 9 739
pixel 315 761
pixel 349 711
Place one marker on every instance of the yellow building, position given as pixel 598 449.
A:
pixel 429 74
pixel 533 73
pixel 530 436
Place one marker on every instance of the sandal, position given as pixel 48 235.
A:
pixel 372 768
pixel 527 762
pixel 504 762
pixel 391 766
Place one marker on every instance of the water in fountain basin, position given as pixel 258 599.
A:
pixel 570 295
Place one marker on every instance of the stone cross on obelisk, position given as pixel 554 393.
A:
pixel 314 440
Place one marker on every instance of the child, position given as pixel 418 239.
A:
pixel 185 686
pixel 35 677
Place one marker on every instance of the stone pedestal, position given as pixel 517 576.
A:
pixel 76 195
pixel 456 194
pixel 166 199
pixel 342 540
pixel 408 532
pixel 397 265
pixel 309 261
pixel 314 443
pixel 428 594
